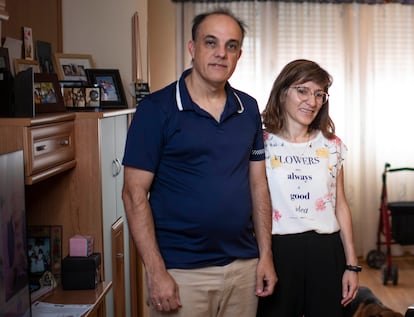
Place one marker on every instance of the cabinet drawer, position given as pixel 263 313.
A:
pixel 48 146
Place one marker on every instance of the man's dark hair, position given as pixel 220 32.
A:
pixel 201 17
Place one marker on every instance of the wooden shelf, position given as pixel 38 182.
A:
pixel 82 297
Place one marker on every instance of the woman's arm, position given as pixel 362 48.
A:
pixel 350 281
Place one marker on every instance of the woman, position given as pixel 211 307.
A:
pixel 312 238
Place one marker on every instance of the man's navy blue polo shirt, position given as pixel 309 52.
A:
pixel 200 196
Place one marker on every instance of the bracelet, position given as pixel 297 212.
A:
pixel 353 268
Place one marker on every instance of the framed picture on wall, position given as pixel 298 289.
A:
pixel 112 91
pixel 71 67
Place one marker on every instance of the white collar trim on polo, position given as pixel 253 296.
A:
pixel 180 104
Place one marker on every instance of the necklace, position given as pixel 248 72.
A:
pixel 298 148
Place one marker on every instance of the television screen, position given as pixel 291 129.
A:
pixel 14 281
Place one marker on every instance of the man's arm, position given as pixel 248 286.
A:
pixel 262 221
pixel 162 289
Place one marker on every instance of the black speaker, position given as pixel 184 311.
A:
pixel 80 272
pixel 409 312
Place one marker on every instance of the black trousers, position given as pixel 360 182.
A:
pixel 309 267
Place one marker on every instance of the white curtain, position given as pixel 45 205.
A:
pixel 369 51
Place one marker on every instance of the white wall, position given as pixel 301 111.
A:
pixel 103 28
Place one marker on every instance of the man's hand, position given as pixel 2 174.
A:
pixel 266 277
pixel 163 292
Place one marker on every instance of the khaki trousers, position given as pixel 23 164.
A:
pixel 218 291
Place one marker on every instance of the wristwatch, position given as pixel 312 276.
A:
pixel 353 268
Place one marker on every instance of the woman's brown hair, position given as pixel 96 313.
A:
pixel 298 72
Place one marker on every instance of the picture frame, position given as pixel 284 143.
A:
pixel 15 47
pixel 112 91
pixel 44 251
pixel 28 43
pixel 71 83
pixel 6 84
pixel 72 66
pixel 23 64
pixel 4 59
pixel 47 95
pixel 81 98
pixel 141 91
pixel 44 56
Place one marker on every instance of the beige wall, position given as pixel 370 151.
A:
pixel 162 43
pixel 103 28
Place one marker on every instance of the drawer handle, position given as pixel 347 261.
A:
pixel 40 148
pixel 64 142
pixel 119 255
pixel 116 167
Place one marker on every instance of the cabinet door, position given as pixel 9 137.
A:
pixel 113 135
pixel 121 129
pixel 118 267
pixel 113 132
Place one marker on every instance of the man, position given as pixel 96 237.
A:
pixel 196 149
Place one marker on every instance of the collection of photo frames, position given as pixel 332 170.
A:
pixel 64 82
pixel 85 87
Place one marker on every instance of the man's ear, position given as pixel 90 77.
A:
pixel 190 47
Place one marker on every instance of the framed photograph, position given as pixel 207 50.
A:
pixel 15 50
pixel 112 91
pixel 72 66
pixel 23 64
pixel 44 56
pixel 141 91
pixel 81 98
pixel 47 94
pixel 28 43
pixel 44 251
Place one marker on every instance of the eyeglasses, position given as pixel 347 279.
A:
pixel 304 93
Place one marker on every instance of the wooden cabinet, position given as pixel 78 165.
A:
pixel 48 142
pixel 83 297
pixel 84 198
pixel 114 130
pixel 99 150
pixel 50 149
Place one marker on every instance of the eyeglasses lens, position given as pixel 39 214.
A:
pixel 305 93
